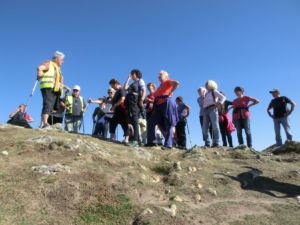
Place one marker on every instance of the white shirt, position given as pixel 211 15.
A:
pixel 209 99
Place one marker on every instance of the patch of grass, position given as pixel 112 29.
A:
pixel 50 179
pixel 116 213
pixel 163 169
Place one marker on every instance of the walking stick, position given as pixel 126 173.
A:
pixel 82 119
pixel 31 94
pixel 187 126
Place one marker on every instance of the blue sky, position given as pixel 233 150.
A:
pixel 251 43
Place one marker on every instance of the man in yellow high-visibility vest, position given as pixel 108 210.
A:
pixel 75 108
pixel 51 84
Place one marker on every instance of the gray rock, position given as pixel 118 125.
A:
pixel 41 139
pixel 51 169
pixel 172 210
pixel 6 125
pixel 177 166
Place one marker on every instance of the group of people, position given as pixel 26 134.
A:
pixel 148 119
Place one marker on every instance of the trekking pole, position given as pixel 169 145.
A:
pixel 94 126
pixel 187 126
pixel 82 119
pixel 31 94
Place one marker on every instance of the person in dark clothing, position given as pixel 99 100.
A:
pixel 120 113
pixel 106 101
pixel 280 114
pixel 136 93
pixel 99 120
pixel 20 117
pixel 225 122
pixel 149 101
pixel 183 113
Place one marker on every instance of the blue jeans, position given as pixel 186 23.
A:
pixel 241 124
pixel 284 121
pixel 211 118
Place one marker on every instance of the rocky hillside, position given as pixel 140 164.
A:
pixel 51 177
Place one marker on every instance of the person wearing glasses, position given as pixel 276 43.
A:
pixel 102 114
pixel 20 117
pixel 75 107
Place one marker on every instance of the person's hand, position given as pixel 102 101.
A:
pixel 112 109
pixel 89 100
pixel 68 89
pixel 129 77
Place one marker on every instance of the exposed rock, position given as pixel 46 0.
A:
pixel 146 212
pixel 192 169
pixel 172 210
pixel 141 153
pixel 6 125
pixel 198 197
pixel 176 199
pixel 51 169
pixel 5 153
pixel 155 179
pixel 212 191
pixel 196 154
pixel 41 139
pixel 177 166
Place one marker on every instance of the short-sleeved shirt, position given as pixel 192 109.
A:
pixel 240 108
pixel 165 89
pixel 279 106
pixel 118 95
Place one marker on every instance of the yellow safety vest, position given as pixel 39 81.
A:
pixel 69 103
pixel 49 80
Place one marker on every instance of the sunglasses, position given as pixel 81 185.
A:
pixel 75 90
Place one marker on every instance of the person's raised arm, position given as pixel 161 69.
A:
pixel 126 85
pixel 14 113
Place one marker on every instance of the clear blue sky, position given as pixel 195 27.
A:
pixel 251 43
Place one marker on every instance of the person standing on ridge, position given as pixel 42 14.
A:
pixel 75 108
pixel 183 113
pixel 134 102
pixel 280 114
pixel 164 113
pixel 213 98
pixel 241 115
pixel 51 84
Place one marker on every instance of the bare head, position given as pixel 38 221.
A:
pixel 239 91
pixel 111 92
pixel 201 92
pixel 58 58
pixel 211 85
pixel 163 76
pixel 151 87
pixel 115 84
pixel 136 74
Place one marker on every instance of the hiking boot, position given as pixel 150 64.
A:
pixel 215 146
pixel 151 145
pixel 166 148
pixel 132 144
